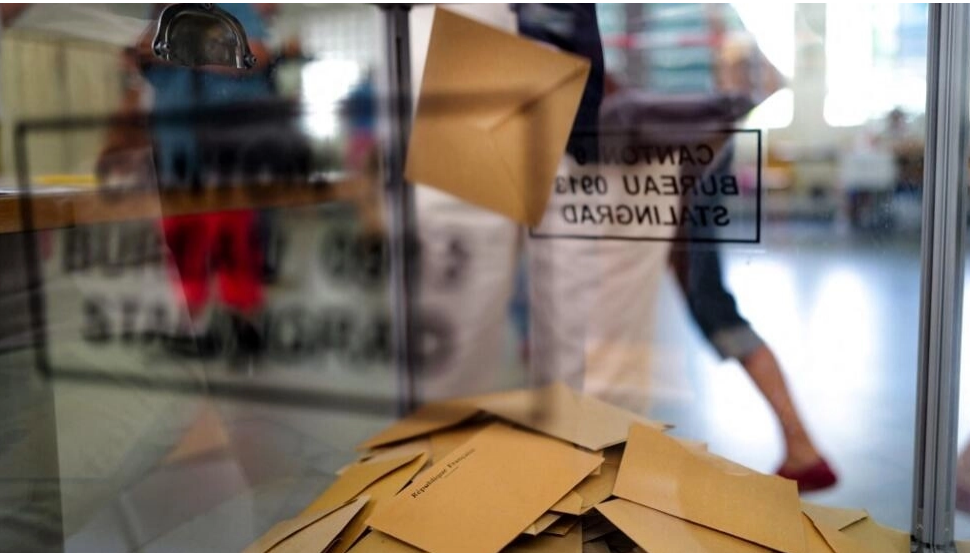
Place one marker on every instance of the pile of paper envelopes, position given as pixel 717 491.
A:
pixel 493 118
pixel 550 470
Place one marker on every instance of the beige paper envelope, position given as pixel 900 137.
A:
pixel 493 117
pixel 835 517
pixel 572 542
pixel 658 532
pixel 878 537
pixel 417 445
pixel 380 492
pixel 844 543
pixel 482 495
pixel 445 441
pixel 542 524
pixel 563 526
pixel 376 542
pixel 355 479
pixel 426 419
pixel 658 472
pixel 597 488
pixel 317 529
pixel 814 541
pixel 571 504
pixel 562 413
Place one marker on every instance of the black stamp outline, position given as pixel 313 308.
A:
pixel 682 240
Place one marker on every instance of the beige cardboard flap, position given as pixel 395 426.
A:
pixel 414 446
pixel 571 504
pixel 597 488
pixel 426 419
pixel 814 541
pixel 320 528
pixel 482 495
pixel 563 526
pixel 355 479
pixel 844 543
pixel 878 537
pixel 380 493
pixel 658 472
pixel 658 532
pixel 377 542
pixel 493 116
pixel 562 413
pixel 542 524
pixel 835 517
pixel 572 542
pixel 445 441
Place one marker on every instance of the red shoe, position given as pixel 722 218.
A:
pixel 812 478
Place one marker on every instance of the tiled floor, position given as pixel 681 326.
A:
pixel 840 309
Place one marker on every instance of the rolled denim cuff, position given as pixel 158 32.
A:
pixel 736 342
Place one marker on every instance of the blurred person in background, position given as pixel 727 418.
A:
pixel 739 75
pixel 226 246
pixel 607 355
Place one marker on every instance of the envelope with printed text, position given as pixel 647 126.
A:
pixel 481 496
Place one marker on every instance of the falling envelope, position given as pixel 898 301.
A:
pixel 493 117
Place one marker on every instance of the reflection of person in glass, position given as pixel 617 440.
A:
pixel 711 304
pixel 220 245
pixel 743 70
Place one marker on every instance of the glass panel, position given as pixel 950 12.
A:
pixel 773 318
pixel 199 309
pixel 214 313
